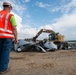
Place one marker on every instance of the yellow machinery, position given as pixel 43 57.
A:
pixel 52 35
pixel 57 38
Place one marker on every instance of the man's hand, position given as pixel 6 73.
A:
pixel 16 41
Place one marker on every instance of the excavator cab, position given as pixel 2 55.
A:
pixel 56 37
pixel 51 37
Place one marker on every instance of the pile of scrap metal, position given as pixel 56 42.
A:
pixel 71 44
pixel 24 46
pixel 54 42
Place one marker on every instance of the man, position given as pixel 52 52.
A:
pixel 8 32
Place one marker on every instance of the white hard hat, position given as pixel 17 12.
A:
pixel 7 3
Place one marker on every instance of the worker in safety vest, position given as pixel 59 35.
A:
pixel 8 32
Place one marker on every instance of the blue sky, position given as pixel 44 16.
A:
pixel 32 15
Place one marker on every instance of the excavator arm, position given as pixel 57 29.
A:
pixel 42 30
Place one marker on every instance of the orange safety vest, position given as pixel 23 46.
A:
pixel 5 25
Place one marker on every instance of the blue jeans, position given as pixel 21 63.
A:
pixel 5 48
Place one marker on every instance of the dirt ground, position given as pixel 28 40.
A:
pixel 62 62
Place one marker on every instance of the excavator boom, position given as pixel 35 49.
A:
pixel 42 30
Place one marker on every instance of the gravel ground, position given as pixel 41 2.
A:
pixel 62 62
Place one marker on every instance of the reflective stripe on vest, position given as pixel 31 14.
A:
pixel 10 35
pixel 6 21
pixel 4 30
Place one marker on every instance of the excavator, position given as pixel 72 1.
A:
pixel 54 37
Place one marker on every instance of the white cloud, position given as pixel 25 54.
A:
pixel 27 0
pixel 19 8
pixel 62 7
pixel 0 8
pixel 46 27
pixel 28 16
pixel 24 31
pixel 65 8
pixel 42 5
pixel 66 25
